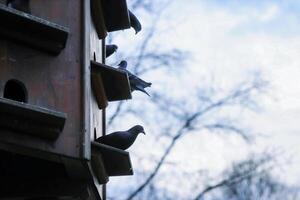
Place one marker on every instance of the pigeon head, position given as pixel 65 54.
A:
pixel 115 47
pixel 123 64
pixel 137 129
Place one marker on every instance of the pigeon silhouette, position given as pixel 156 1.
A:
pixel 22 5
pixel 134 22
pixel 110 49
pixel 121 139
pixel 135 82
pixel 123 65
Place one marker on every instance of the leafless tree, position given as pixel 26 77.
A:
pixel 250 179
pixel 190 122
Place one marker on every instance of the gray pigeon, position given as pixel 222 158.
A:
pixel 110 49
pixel 135 82
pixel 22 5
pixel 134 22
pixel 121 139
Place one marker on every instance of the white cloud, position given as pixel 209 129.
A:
pixel 209 34
pixel 269 13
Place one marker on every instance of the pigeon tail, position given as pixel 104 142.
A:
pixel 138 81
pixel 135 23
pixel 135 82
pixel 142 90
pixel 144 83
pixel 110 49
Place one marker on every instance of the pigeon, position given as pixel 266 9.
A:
pixel 123 65
pixel 110 49
pixel 135 82
pixel 134 22
pixel 121 139
pixel 22 5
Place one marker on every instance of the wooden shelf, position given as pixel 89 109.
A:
pixel 116 162
pixel 98 18
pixel 32 31
pixel 116 15
pixel 109 84
pixel 29 119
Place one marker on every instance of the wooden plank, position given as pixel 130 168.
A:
pixel 116 15
pixel 33 31
pixel 29 119
pixel 98 18
pixel 86 80
pixel 116 161
pixel 96 54
pixel 115 81
pixel 52 82
pixel 99 91
pixel 99 168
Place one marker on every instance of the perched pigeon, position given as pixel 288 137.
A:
pixel 135 82
pixel 110 49
pixel 134 22
pixel 121 139
pixel 123 65
pixel 22 5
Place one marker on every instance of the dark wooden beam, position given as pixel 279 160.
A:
pixel 32 31
pixel 29 119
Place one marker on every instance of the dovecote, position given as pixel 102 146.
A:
pixel 53 81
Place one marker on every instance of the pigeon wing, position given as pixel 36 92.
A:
pixel 120 139
pixel 141 82
pixel 110 49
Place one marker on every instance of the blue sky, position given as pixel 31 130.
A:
pixel 233 38
pixel 228 41
pixel 243 36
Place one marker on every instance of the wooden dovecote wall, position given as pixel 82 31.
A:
pixel 54 89
pixel 40 55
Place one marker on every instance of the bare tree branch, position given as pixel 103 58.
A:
pixel 247 169
pixel 138 67
pixel 231 128
pixel 229 181
pixel 188 126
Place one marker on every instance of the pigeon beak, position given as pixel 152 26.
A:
pixel 144 132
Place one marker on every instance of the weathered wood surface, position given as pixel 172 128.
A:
pixel 115 82
pixel 33 120
pixel 52 82
pixel 32 31
pixel 115 15
pixel 116 161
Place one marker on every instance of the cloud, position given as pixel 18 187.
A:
pixel 231 40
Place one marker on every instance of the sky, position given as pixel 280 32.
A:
pixel 228 41
pixel 235 38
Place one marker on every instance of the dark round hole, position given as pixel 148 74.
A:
pixel 15 90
